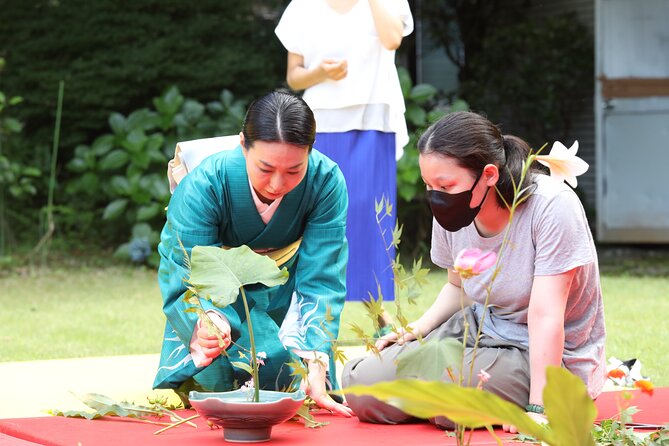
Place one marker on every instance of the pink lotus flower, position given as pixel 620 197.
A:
pixel 472 262
pixel 563 163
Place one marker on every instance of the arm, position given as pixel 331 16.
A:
pixel 545 321
pixel 300 78
pixel 449 301
pixel 388 26
pixel 192 219
pixel 320 286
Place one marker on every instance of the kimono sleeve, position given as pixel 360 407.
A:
pixel 194 217
pixel 320 277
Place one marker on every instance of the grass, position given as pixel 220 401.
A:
pixel 66 313
pixel 105 311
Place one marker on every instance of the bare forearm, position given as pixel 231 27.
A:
pixel 446 305
pixel 300 78
pixel 388 26
pixel 546 348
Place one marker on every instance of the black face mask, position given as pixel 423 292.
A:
pixel 452 211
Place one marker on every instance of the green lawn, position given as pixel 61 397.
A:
pixel 64 313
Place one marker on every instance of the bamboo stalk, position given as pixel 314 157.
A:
pixel 185 420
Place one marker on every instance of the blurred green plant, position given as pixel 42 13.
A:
pixel 121 175
pixel 119 58
pixel 141 248
pixel 17 180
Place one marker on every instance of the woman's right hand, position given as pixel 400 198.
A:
pixel 211 348
pixel 399 337
pixel 334 69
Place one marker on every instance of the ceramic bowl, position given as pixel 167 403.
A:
pixel 244 421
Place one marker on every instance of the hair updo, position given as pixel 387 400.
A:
pixel 279 117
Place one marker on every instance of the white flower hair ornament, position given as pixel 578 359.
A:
pixel 563 163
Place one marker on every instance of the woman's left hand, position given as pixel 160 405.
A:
pixel 537 417
pixel 314 386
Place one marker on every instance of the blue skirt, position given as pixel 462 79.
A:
pixel 367 159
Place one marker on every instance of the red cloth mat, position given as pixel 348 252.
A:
pixel 111 431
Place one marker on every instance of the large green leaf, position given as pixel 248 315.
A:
pixel 570 410
pixel 148 211
pixel 102 145
pixel 135 141
pixel 117 123
pixel 431 359
pixel 415 114
pixel 422 93
pixel 466 406
pixel 114 159
pixel 217 274
pixel 115 209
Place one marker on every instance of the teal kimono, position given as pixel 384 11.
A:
pixel 213 206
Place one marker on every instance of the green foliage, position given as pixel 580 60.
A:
pixel 118 56
pixel 616 433
pixel 534 76
pixel 423 108
pixel 568 424
pixel 120 177
pixel 104 406
pixel 17 179
pixel 218 274
pixel 142 246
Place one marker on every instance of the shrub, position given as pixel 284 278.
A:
pixel 121 175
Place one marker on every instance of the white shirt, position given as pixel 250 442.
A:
pixel 370 96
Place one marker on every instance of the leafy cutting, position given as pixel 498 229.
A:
pixel 219 275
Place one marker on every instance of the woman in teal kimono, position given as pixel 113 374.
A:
pixel 269 193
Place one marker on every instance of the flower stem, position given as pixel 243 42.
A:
pixel 254 359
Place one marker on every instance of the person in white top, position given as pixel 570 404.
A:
pixel 342 54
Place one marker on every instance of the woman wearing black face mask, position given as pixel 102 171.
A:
pixel 546 305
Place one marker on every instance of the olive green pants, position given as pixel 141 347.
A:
pixel 506 363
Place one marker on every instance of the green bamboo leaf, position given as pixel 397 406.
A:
pixel 430 360
pixel 466 406
pixel 569 408
pixel 217 274
pixel 242 365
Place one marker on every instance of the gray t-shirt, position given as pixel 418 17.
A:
pixel 549 235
